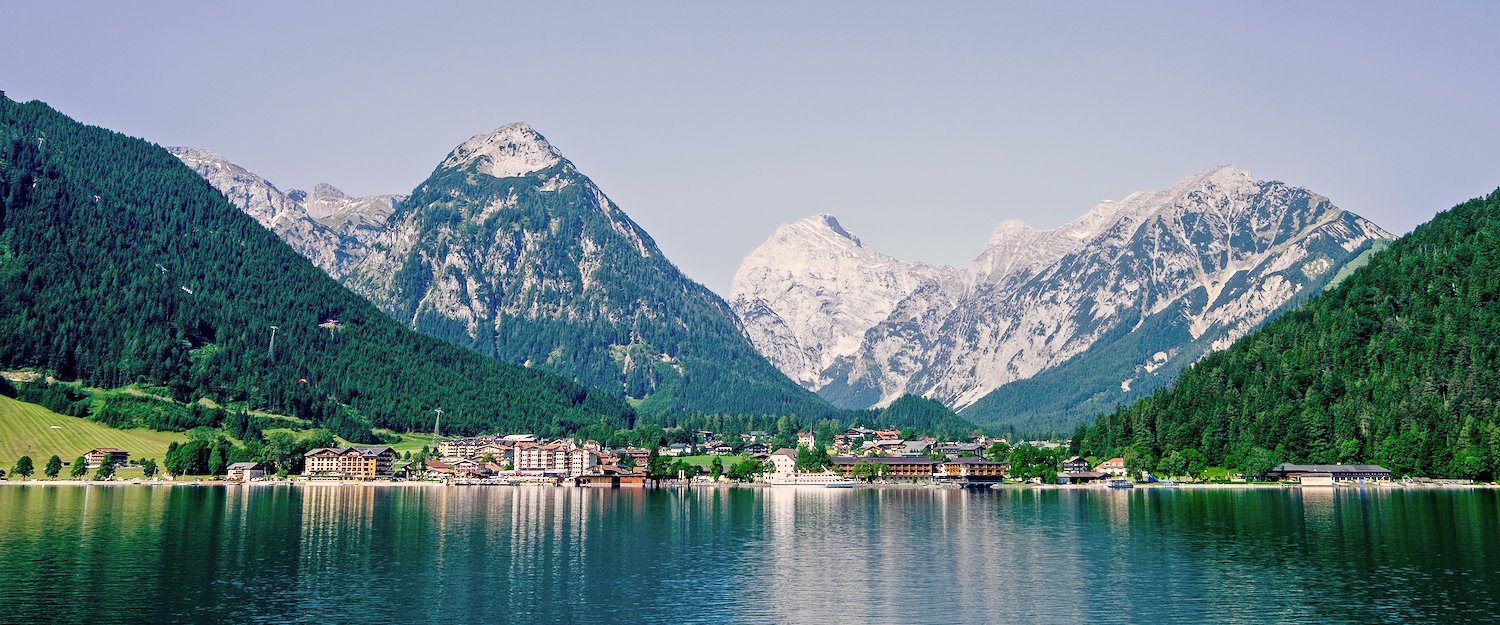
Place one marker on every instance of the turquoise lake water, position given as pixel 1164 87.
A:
pixel 424 554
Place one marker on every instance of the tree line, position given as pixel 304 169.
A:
pixel 1398 365
pixel 121 266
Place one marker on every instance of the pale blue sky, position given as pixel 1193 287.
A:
pixel 920 125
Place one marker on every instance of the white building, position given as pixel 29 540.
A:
pixel 784 460
pixel 553 459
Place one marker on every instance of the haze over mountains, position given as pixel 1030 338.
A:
pixel 1116 302
pixel 508 249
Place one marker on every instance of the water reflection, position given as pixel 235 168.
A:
pixel 429 554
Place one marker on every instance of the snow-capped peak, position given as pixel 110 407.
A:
pixel 1222 177
pixel 511 150
pixel 1009 230
pixel 823 228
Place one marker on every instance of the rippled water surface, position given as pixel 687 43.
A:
pixel 425 554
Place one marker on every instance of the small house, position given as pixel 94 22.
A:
pixel 1113 466
pixel 245 471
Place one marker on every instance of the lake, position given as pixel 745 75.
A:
pixel 432 554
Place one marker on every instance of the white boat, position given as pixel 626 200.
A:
pixel 821 479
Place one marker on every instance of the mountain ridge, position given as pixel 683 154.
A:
pixel 1198 264
pixel 121 265
pixel 508 249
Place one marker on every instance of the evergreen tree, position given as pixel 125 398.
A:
pixel 169 284
pixel 1398 365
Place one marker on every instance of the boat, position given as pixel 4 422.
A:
pixel 1119 484
pixel 821 479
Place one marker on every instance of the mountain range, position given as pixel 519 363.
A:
pixel 1097 312
pixel 508 249
pixel 119 266
pixel 1398 365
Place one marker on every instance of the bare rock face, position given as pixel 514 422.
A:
pixel 810 292
pixel 1135 290
pixel 508 249
pixel 328 227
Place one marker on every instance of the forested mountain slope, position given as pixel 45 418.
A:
pixel 118 265
pixel 1398 365
pixel 508 249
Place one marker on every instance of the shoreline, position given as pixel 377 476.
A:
pixel 751 485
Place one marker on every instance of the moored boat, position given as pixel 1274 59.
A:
pixel 821 479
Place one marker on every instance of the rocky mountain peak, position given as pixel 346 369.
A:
pixel 327 192
pixel 1136 288
pixel 1009 230
pixel 509 151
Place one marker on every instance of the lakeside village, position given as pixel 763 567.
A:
pixel 858 455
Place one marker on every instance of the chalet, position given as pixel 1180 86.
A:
pixel 806 439
pixel 718 448
pixel 884 446
pixel 349 463
pixel 1331 473
pixel 1075 464
pixel 898 467
pixel 1080 477
pixel 438 470
pixel 100 456
pixel 758 450
pixel 492 450
pixel 612 476
pixel 245 471
pixel 471 468
pixel 888 435
pixel 1113 466
pixel 969 469
pixel 676 449
pixel 958 449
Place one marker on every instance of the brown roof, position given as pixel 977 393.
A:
pixel 853 460
pixel 970 460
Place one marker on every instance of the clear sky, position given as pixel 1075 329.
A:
pixel 920 125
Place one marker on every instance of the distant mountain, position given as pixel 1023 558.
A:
pixel 1116 302
pixel 508 249
pixel 1398 365
pixel 118 265
pixel 811 291
pixel 328 227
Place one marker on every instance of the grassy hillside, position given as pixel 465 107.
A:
pixel 26 430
